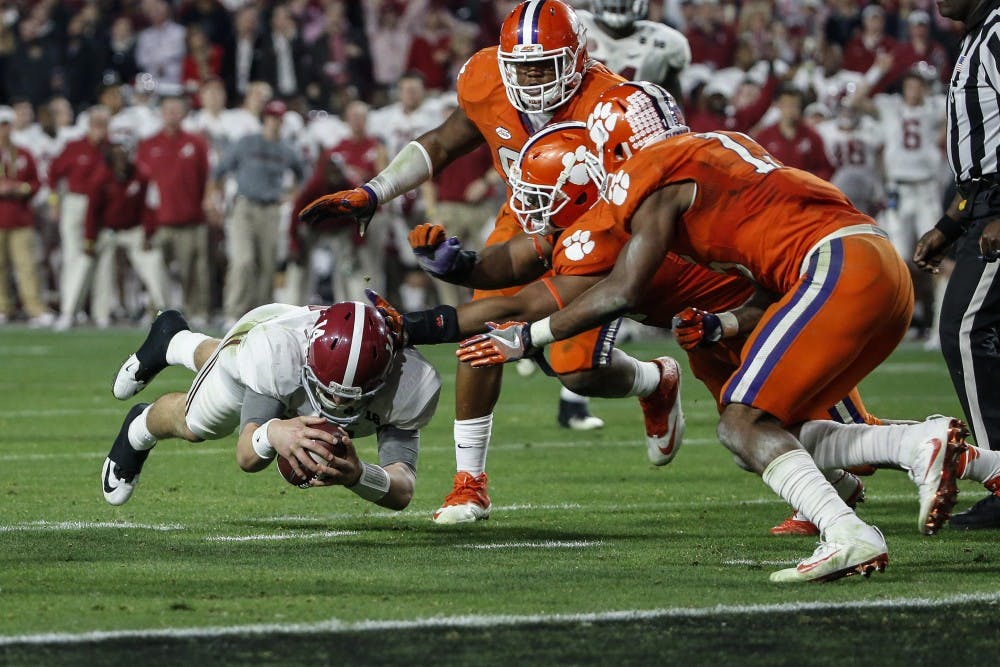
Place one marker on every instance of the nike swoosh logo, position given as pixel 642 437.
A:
pixel 466 446
pixel 107 476
pixel 934 455
pixel 812 566
pixel 666 451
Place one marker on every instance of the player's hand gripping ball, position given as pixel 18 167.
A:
pixel 339 450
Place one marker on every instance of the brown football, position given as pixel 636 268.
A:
pixel 292 477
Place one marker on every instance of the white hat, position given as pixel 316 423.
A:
pixel 7 115
pixel 918 16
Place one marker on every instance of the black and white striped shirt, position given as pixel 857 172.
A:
pixel 974 99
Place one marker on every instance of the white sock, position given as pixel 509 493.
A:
pixel 795 477
pixel 571 396
pixel 978 464
pixel 647 378
pixel 472 438
pixel 138 432
pixel 181 349
pixel 836 445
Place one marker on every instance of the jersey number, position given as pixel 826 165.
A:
pixel 911 134
pixel 508 156
pixel 762 165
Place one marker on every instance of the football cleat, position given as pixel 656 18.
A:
pixel 985 514
pixel 663 414
pixel 151 357
pixel 468 501
pixel 860 549
pixel 932 461
pixel 576 416
pixel 849 488
pixel 120 473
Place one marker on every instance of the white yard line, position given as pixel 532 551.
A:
pixel 483 621
pixel 42 526
pixel 548 544
pixel 273 537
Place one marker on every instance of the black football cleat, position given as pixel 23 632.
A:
pixel 151 357
pixel 120 473
pixel 984 515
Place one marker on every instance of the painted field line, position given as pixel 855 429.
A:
pixel 168 450
pixel 62 412
pixel 746 562
pixel 274 537
pixel 914 367
pixel 483 621
pixel 547 544
pixel 87 525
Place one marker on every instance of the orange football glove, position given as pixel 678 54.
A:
pixel 503 343
pixel 359 203
pixel 393 318
pixel 694 327
pixel 425 237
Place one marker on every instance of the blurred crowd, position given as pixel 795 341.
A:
pixel 156 153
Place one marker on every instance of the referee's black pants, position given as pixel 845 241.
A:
pixel 970 336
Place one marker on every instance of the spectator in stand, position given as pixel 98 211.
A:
pixel 18 184
pixel 430 50
pixel 259 163
pixel 830 83
pixel 213 19
pixel 175 163
pixel 84 57
pixel 712 39
pixel 31 70
pixel 245 119
pixel 120 56
pixel 115 212
pixel 141 117
pixel 202 62
pixel 340 56
pixel 872 40
pixel 841 23
pixel 280 57
pixel 160 47
pixel 390 26
pixel 791 140
pixel 919 47
pixel 710 107
pixel 69 176
pixel 239 58
pixel 211 121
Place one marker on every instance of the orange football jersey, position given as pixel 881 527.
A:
pixel 751 215
pixel 482 97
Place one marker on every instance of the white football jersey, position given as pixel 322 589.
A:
pixel 648 54
pixel 856 147
pixel 830 90
pixel 912 137
pixel 273 340
pixel 396 128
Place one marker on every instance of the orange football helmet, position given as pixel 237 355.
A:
pixel 626 119
pixel 550 181
pixel 544 33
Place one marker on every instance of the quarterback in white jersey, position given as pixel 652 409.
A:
pixel 913 124
pixel 278 376
pixel 853 144
pixel 636 49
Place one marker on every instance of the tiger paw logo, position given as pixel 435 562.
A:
pixel 575 166
pixel 616 188
pixel 578 245
pixel 600 122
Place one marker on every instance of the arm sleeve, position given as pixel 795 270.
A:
pixel 258 408
pixel 396 445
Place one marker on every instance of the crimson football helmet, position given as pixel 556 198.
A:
pixel 350 353
pixel 545 33
pixel 619 14
pixel 627 118
pixel 550 182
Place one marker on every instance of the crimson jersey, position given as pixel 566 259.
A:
pixel 589 248
pixel 751 215
pixel 483 98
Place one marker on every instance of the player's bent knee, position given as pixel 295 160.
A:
pixel 584 383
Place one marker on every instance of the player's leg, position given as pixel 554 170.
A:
pixel 169 342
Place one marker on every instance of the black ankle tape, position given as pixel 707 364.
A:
pixel 435 325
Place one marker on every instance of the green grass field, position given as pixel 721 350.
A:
pixel 592 556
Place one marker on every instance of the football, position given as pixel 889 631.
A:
pixel 292 477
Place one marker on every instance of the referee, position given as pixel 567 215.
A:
pixel 970 316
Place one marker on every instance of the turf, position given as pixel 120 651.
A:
pixel 592 556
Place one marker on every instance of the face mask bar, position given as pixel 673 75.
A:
pixel 336 402
pixel 544 97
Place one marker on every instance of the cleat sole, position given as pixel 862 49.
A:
pixel 865 569
pixel 947 492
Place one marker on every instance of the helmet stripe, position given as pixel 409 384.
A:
pixel 357 336
pixel 527 27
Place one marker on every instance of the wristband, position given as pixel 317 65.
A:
pixel 261 445
pixel 437 325
pixel 951 229
pixel 730 325
pixel 373 484
pixel 540 333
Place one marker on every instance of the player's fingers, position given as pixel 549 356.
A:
pixel 472 340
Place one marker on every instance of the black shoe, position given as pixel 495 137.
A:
pixel 120 473
pixel 576 415
pixel 983 515
pixel 151 357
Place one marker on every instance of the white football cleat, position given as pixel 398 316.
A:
pixel 576 415
pixel 859 549
pixel 663 414
pixel 120 472
pixel 141 367
pixel 468 501
pixel 930 464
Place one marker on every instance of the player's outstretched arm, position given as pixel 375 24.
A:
pixel 294 438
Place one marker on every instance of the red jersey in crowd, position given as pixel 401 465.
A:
pixel 16 167
pixel 803 151
pixel 177 166
pixel 359 157
pixel 322 182
pixel 116 204
pixel 457 176
pixel 76 164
